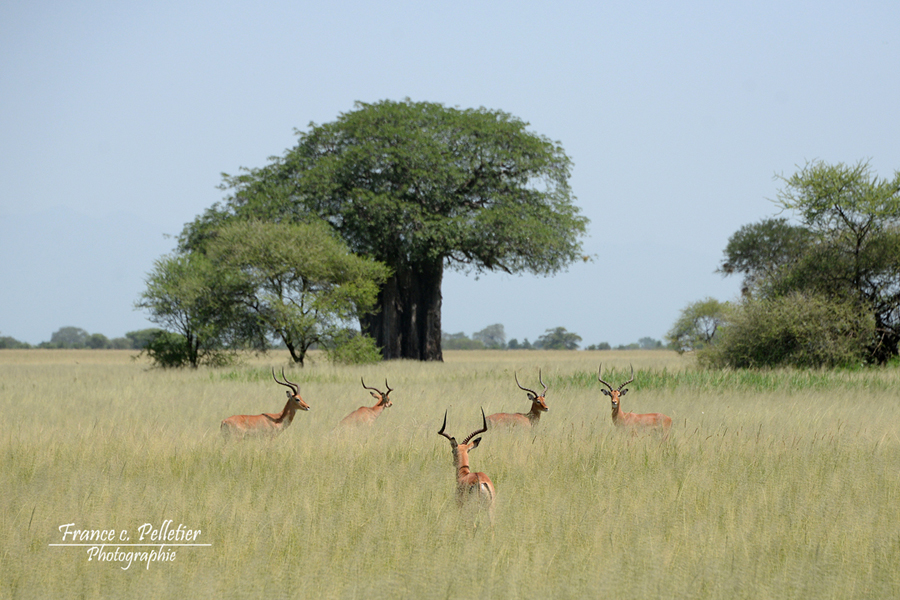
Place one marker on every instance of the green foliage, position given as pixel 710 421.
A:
pixel 252 279
pixel 69 337
pixel 77 338
pixel 697 325
pixel 120 343
pixel 471 186
pixel 558 339
pixel 352 348
pixel 841 201
pixel 97 341
pixel 856 220
pixel 793 330
pixel 759 251
pixel 418 186
pixel 11 343
pixel 139 339
pixel 600 346
pixel 846 249
pixel 189 296
pixel 167 350
pixel 297 281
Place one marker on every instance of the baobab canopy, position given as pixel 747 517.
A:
pixel 419 187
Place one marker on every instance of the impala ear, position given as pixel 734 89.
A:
pixel 605 392
pixel 622 393
pixel 475 443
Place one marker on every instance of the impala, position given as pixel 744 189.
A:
pixel 529 419
pixel 634 421
pixel 267 423
pixel 469 485
pixel 366 415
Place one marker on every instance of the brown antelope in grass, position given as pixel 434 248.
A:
pixel 529 419
pixel 657 421
pixel 267 423
pixel 469 485
pixel 366 415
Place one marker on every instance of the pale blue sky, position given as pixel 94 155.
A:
pixel 117 118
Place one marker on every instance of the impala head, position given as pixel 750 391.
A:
pixel 382 397
pixel 465 446
pixel 614 394
pixel 538 399
pixel 294 394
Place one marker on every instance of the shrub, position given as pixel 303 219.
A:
pixel 170 350
pixel 697 325
pixel 352 348
pixel 167 350
pixel 799 330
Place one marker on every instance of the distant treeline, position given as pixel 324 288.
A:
pixel 77 338
pixel 493 337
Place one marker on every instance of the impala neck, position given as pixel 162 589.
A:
pixel 287 415
pixel 534 415
pixel 616 413
pixel 462 463
pixel 376 410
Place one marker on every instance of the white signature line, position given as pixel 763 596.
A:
pixel 113 544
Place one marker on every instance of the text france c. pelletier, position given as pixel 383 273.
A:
pixel 153 544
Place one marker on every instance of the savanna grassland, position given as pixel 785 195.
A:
pixel 778 484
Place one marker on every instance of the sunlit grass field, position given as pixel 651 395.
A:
pixel 778 484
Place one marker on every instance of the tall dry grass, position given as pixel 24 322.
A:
pixel 778 484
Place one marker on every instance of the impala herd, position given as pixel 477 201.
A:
pixel 469 485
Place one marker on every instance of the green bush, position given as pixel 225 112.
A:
pixel 167 350
pixel 797 330
pixel 352 348
pixel 172 350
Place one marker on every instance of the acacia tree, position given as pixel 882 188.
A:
pixel 69 337
pixel 419 187
pixel 492 336
pixel 193 301
pixel 299 282
pixel 697 325
pixel 558 339
pixel 855 220
pixel 760 250
pixel 846 248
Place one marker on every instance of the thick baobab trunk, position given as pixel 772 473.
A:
pixel 408 321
